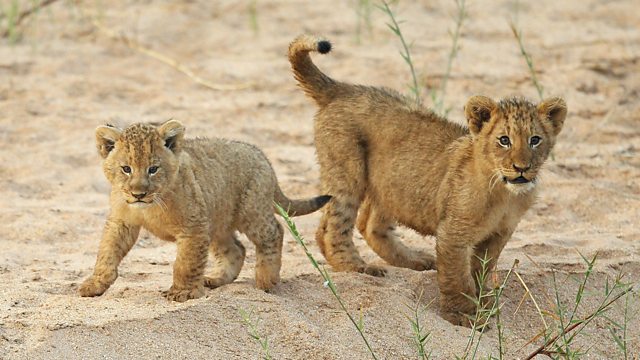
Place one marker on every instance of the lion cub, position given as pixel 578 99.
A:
pixel 401 163
pixel 196 192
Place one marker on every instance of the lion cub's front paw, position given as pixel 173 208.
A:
pixel 456 318
pixel 373 270
pixel 92 287
pixel 182 295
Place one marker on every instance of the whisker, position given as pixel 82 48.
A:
pixel 158 200
pixel 493 181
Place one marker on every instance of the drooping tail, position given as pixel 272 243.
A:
pixel 295 207
pixel 314 83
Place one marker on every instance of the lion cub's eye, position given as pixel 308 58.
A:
pixel 504 141
pixel 152 170
pixel 535 141
pixel 126 169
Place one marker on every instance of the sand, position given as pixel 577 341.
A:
pixel 62 78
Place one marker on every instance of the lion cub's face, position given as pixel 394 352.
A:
pixel 141 161
pixel 516 136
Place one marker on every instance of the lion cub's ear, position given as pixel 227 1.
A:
pixel 553 111
pixel 172 133
pixel 478 112
pixel 106 137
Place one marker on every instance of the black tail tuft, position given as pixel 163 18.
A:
pixel 324 46
pixel 322 200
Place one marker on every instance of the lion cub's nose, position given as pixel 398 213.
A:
pixel 521 169
pixel 139 196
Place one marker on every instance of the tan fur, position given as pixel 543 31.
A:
pixel 202 192
pixel 399 163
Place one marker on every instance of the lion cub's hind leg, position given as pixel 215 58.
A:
pixel 335 234
pixel 227 255
pixel 259 223
pixel 379 232
pixel 267 234
pixel 346 181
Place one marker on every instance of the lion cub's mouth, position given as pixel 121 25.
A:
pixel 138 203
pixel 519 180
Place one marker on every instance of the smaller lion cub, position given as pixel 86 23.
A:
pixel 196 192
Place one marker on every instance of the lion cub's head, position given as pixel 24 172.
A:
pixel 141 161
pixel 516 136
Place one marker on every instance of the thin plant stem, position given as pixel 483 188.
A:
pixel 328 282
pixel 419 335
pixel 254 333
pixel 453 53
pixel 494 311
pixel 534 78
pixel 535 303
pixel 541 349
pixel 560 312
pixel 573 325
pixel 253 16
pixel 363 13
pixel 394 26
pixel 16 18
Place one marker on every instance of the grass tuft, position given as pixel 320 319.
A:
pixel 420 335
pixel 487 306
pixel 569 324
pixel 252 326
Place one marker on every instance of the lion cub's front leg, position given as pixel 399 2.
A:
pixel 454 277
pixel 117 240
pixel 188 269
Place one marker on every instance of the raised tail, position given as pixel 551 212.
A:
pixel 299 207
pixel 314 83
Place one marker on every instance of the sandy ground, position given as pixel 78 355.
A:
pixel 63 78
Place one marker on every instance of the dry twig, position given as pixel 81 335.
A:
pixel 24 14
pixel 133 44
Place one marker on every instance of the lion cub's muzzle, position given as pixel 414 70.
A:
pixel 139 198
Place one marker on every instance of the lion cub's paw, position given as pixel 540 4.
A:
pixel 92 287
pixel 373 270
pixel 457 318
pixel 265 280
pixel 422 261
pixel 182 295
pixel 214 282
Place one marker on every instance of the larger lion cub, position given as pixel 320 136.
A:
pixel 197 193
pixel 401 163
